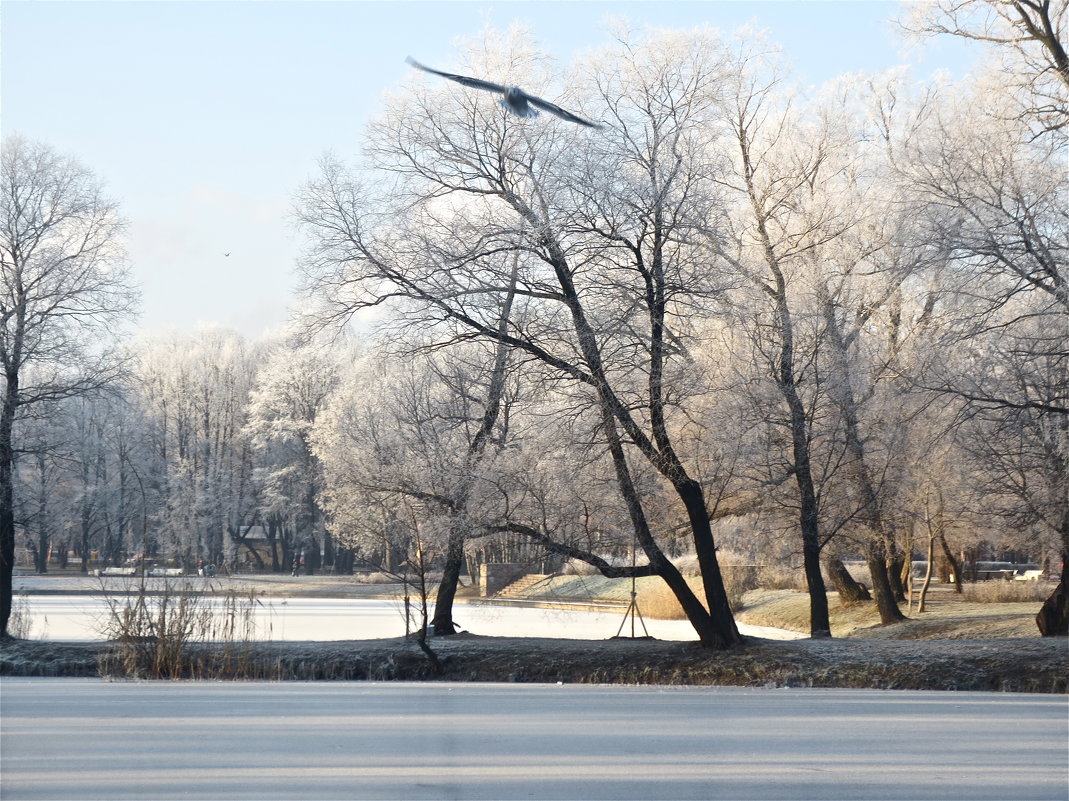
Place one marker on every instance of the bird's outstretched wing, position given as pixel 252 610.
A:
pixel 474 83
pixel 553 108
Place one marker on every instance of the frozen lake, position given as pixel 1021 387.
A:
pixel 83 740
pixel 77 617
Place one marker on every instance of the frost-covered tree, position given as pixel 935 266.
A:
pixel 597 225
pixel 193 393
pixel 292 388
pixel 64 291
pixel 418 433
pixel 992 193
pixel 1029 40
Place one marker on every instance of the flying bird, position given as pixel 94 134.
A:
pixel 514 98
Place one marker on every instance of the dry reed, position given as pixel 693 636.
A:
pixel 179 632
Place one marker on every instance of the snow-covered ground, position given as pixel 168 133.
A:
pixel 89 739
pixel 77 617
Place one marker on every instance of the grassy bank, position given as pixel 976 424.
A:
pixel 1018 666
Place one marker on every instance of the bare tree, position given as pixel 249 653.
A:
pixel 64 288
pixel 291 390
pixel 1030 35
pixel 602 294
pixel 993 194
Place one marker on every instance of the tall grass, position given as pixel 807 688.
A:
pixel 656 600
pixel 179 632
pixel 1005 592
pixel 20 622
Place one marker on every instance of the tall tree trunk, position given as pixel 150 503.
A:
pixel 86 532
pixel 447 589
pixel 809 522
pixel 788 382
pixel 454 561
pixel 896 571
pixel 955 566
pixel 40 555
pixel 7 500
pixel 876 559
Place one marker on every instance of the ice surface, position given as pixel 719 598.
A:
pixel 78 617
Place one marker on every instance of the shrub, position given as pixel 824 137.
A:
pixel 739 580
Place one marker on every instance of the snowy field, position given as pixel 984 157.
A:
pixel 77 618
pixel 89 739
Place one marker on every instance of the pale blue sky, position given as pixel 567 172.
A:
pixel 204 117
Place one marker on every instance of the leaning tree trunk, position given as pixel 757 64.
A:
pixel 447 589
pixel 454 560
pixel 877 551
pixel 876 558
pixel 850 591
pixel 716 599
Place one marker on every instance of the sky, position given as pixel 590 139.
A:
pixel 204 118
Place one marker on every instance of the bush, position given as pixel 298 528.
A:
pixel 739 580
